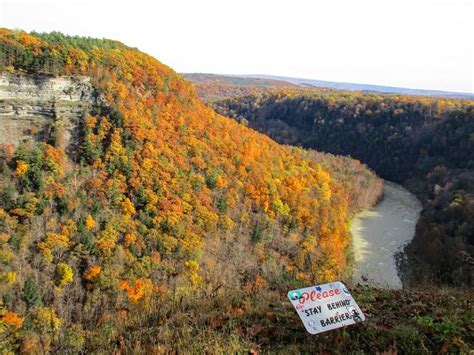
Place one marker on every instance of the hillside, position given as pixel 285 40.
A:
pixel 200 78
pixel 365 87
pixel 212 87
pixel 425 144
pixel 125 201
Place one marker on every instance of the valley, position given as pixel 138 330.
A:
pixel 423 143
pixel 136 218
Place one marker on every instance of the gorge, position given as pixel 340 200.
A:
pixel 136 219
pixel 425 144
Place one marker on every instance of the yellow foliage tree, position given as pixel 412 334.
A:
pixel 90 223
pixel 46 320
pixel 64 274
pixel 21 168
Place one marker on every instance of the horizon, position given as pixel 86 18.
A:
pixel 421 46
pixel 283 78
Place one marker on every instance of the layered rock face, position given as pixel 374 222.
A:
pixel 44 107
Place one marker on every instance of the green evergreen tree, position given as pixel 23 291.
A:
pixel 31 293
pixel 222 204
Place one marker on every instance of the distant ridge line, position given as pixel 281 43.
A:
pixel 346 86
pixel 364 87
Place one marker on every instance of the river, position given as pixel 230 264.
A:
pixel 380 232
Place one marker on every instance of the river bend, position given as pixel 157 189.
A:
pixel 380 232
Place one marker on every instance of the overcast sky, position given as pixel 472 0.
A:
pixel 425 44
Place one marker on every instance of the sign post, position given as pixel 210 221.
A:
pixel 325 307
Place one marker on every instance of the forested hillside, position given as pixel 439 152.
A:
pixel 164 205
pixel 425 144
pixel 219 87
pixel 212 87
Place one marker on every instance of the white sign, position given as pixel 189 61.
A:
pixel 325 307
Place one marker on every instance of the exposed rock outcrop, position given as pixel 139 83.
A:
pixel 44 107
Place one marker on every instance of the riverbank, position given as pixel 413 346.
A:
pixel 379 233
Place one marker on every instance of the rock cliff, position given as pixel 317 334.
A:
pixel 44 107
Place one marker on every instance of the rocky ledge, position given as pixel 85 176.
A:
pixel 44 107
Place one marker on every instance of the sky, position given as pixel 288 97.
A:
pixel 422 44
